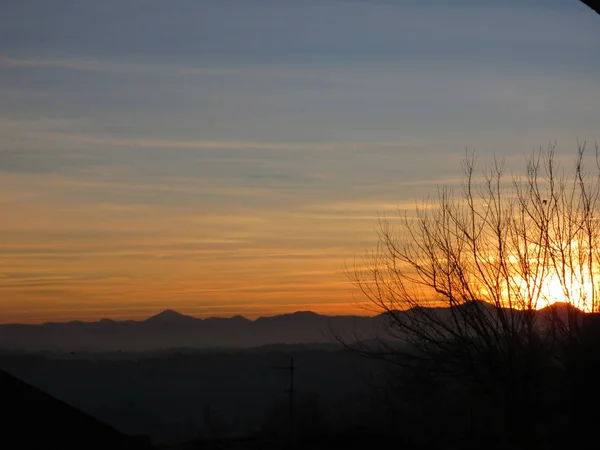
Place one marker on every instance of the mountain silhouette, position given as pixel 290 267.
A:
pixel 168 316
pixel 170 329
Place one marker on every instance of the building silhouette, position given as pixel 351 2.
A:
pixel 33 419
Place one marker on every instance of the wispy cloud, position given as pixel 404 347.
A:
pixel 92 65
pixel 230 145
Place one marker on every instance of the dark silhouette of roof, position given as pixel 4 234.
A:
pixel 594 4
pixel 34 419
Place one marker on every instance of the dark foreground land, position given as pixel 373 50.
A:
pixel 221 396
pixel 245 399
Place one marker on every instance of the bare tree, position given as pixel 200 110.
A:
pixel 488 288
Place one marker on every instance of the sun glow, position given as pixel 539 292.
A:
pixel 560 280
pixel 577 291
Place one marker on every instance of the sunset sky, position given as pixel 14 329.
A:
pixel 229 157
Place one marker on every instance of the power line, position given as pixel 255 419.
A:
pixel 291 393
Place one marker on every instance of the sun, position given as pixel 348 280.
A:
pixel 575 289
pixel 575 285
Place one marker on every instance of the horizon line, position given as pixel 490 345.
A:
pixel 172 311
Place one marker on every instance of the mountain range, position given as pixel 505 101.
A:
pixel 170 329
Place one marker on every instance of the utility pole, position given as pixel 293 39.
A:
pixel 291 393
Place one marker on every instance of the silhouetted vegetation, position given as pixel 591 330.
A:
pixel 491 300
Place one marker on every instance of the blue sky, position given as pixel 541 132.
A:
pixel 225 157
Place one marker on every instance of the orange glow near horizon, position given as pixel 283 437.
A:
pixel 63 259
pixel 201 289
pixel 63 263
pixel 577 291
pixel 570 282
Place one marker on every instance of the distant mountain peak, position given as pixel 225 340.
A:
pixel 168 315
pixel 239 318
pixel 305 313
pixel 561 308
pixel 296 317
pixel 561 305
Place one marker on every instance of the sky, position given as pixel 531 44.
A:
pixel 231 157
